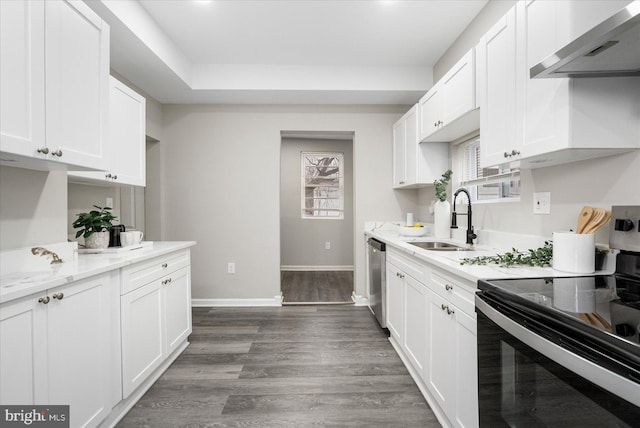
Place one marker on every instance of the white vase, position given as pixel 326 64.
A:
pixel 97 240
pixel 441 220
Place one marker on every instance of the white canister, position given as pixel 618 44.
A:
pixel 574 252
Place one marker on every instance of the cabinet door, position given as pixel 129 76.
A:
pixel 415 340
pixel 23 352
pixel 142 334
pixel 398 153
pixel 126 148
pixel 466 396
pixel 497 66
pixel 77 83
pixel 546 101
pixel 441 348
pixel 411 146
pixel 177 308
pixel 395 303
pixel 459 89
pixel 79 358
pixel 430 117
pixel 22 77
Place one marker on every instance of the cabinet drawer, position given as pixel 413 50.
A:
pixel 139 274
pixel 408 265
pixel 452 289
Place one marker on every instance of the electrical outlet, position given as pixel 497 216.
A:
pixel 327 245
pixel 231 267
pixel 542 203
pixel 109 203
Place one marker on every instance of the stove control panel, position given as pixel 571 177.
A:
pixel 625 228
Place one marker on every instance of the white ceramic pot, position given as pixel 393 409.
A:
pixel 97 240
pixel 441 219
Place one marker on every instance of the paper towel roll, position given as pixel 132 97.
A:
pixel 409 219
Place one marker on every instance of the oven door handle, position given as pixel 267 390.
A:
pixel 612 382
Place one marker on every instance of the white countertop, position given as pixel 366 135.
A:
pixel 19 284
pixel 450 260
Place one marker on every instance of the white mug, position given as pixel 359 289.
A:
pixel 130 237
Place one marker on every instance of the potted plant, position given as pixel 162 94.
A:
pixel 442 207
pixel 94 227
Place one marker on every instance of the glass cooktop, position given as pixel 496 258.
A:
pixel 610 303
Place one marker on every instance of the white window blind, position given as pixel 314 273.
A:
pixel 501 182
pixel 322 185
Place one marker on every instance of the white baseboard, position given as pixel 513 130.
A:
pixel 276 301
pixel 315 268
pixel 359 300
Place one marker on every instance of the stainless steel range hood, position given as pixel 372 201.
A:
pixel 611 48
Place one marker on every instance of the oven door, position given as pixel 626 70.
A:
pixel 525 380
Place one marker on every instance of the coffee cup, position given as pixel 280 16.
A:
pixel 131 237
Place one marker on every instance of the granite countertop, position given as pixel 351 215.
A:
pixel 450 260
pixel 19 283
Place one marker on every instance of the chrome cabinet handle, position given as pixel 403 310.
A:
pixel 435 124
pixel 115 177
pixel 164 265
pixel 514 152
pixel 44 300
pixel 448 287
pixel 108 175
pixel 446 308
pixel 166 281
pixel 43 150
pixel 57 153
pixel 58 296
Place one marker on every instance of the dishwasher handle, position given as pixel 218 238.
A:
pixel 378 245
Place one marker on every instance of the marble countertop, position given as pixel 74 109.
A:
pixel 450 260
pixel 17 284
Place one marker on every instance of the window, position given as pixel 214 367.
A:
pixel 499 183
pixel 322 185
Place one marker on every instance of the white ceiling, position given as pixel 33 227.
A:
pixel 286 51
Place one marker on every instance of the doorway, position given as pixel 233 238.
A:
pixel 316 217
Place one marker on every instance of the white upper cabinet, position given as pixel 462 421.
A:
pixel 449 110
pixel 22 77
pixel 415 165
pixel 126 140
pixel 499 86
pixel 55 70
pixel 566 119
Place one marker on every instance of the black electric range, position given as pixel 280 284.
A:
pixel 568 340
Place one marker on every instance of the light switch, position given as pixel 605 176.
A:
pixel 542 203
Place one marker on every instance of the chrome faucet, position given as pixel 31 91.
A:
pixel 454 216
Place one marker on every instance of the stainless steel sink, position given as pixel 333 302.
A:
pixel 439 246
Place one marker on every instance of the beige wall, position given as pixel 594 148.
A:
pixel 33 207
pixel 222 178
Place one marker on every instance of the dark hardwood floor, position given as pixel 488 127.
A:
pixel 296 366
pixel 316 287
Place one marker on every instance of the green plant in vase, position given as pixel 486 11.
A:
pixel 94 226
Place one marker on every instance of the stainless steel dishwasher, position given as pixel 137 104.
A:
pixel 377 259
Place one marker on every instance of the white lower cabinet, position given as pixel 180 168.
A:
pixel 415 323
pixel 395 303
pixel 55 349
pixel 156 316
pixel 431 318
pixel 94 342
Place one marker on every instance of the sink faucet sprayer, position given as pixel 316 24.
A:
pixel 454 216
